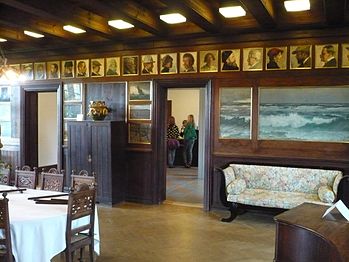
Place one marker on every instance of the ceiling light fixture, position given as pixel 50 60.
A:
pixel 33 34
pixel 297 5
pixel 73 29
pixel 174 18
pixel 232 11
pixel 120 24
pixel 6 72
pixel 3 40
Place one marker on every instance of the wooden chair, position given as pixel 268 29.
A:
pixel 52 180
pixel 5 242
pixel 26 178
pixel 81 204
pixel 82 178
pixel 5 177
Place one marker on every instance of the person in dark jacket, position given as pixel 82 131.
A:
pixel 172 141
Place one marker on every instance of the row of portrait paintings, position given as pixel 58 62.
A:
pixel 250 59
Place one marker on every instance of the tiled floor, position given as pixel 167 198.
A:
pixel 184 186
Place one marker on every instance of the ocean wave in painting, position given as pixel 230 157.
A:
pixel 235 120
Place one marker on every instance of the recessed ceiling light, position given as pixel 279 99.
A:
pixel 120 24
pixel 73 29
pixel 3 40
pixel 297 5
pixel 232 11
pixel 174 18
pixel 33 34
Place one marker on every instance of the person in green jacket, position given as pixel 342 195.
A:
pixel 189 135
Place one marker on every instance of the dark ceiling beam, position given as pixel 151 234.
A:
pixel 334 11
pixel 199 12
pixel 262 11
pixel 58 11
pixel 130 11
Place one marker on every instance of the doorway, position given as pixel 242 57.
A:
pixel 159 146
pixel 41 126
pixel 184 184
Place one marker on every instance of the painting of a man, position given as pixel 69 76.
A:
pixel 230 60
pixel 149 63
pixel 326 56
pixel 209 63
pixel 130 65
pixel 302 57
pixel 253 59
pixel 276 58
pixel 168 63
pixel 68 69
pixel 82 67
pixel 345 55
pixel 113 68
pixel 188 64
pixel 53 70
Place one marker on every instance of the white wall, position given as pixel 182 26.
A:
pixel 184 102
pixel 47 129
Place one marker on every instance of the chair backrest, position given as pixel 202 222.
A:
pixel 82 178
pixel 26 178
pixel 5 176
pixel 81 204
pixel 5 227
pixel 52 180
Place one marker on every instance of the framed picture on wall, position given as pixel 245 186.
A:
pixel 16 68
pixel 188 62
pixel 139 91
pixel 253 59
pixel 5 93
pixel 97 67
pixel 209 61
pixel 68 69
pixel 326 56
pixel 230 60
pixel 53 70
pixel 276 58
pixel 168 63
pixel 345 55
pixel 139 112
pixel 82 68
pixel 130 65
pixel 72 92
pixel 112 66
pixel 27 71
pixel 149 64
pixel 139 133
pixel 71 111
pixel 301 57
pixel 40 71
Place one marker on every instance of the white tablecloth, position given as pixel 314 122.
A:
pixel 38 230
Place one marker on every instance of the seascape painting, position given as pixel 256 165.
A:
pixel 235 113
pixel 304 113
pixel 139 91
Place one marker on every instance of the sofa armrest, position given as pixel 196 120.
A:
pixel 222 187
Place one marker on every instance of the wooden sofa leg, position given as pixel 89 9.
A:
pixel 233 208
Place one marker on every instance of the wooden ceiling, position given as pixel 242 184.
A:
pixel 203 19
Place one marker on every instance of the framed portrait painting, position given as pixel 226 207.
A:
pixel 301 57
pixel 53 70
pixel 40 71
pixel 253 59
pixel 139 133
pixel 276 58
pixel 345 55
pixel 27 71
pixel 112 66
pixel 82 68
pixel 230 60
pixel 68 69
pixel 130 65
pixel 97 67
pixel 16 68
pixel 139 112
pixel 326 56
pixel 139 91
pixel 209 61
pixel 188 62
pixel 149 64
pixel 168 63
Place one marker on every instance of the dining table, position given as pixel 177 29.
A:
pixel 38 230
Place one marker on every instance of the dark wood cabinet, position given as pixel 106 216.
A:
pixel 99 146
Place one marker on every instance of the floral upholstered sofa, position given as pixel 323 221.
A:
pixel 276 187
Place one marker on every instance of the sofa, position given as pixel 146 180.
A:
pixel 276 187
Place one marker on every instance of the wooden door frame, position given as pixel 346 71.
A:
pixel 29 121
pixel 159 164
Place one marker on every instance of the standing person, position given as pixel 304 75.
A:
pixel 189 140
pixel 172 140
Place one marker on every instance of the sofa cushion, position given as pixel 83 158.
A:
pixel 336 183
pixel 277 199
pixel 237 186
pixel 326 194
pixel 285 179
pixel 229 175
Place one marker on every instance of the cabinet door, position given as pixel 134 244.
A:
pixel 79 147
pixel 101 159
